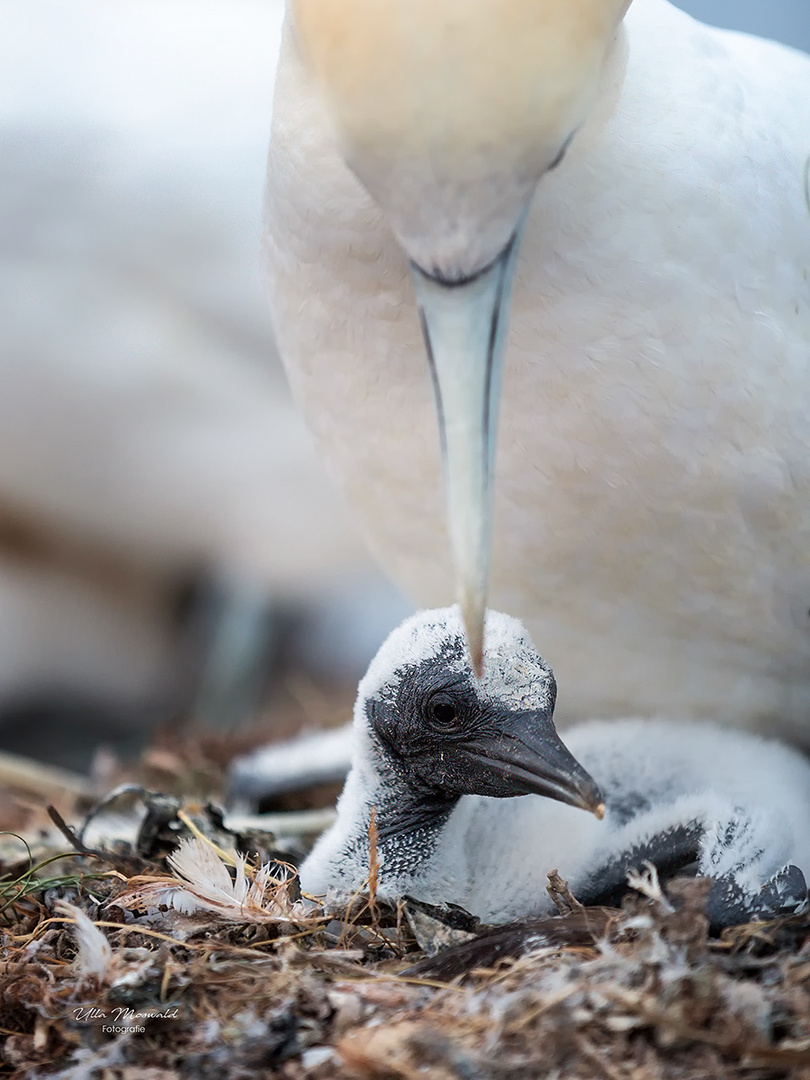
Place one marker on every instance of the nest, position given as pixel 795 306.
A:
pixel 172 955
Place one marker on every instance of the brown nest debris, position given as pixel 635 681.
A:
pixel 186 950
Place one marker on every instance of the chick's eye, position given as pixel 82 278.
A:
pixel 443 712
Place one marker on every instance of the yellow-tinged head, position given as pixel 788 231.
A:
pixel 449 111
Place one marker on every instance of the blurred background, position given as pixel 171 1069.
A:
pixel 170 545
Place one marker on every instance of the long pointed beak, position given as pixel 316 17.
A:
pixel 464 326
pixel 527 757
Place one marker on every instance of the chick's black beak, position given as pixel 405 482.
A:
pixel 526 757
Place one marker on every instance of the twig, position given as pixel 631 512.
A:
pixel 373 867
pixel 68 833
pixel 561 895
pixel 127 864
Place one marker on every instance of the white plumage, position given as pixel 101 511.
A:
pixel 652 488
pixel 675 793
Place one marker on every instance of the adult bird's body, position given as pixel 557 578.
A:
pixel 652 482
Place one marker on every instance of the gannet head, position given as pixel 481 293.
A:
pixel 450 112
pixel 442 733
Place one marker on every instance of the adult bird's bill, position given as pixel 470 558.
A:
pixel 450 121
pixel 463 326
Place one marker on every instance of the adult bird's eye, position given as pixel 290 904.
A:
pixel 443 712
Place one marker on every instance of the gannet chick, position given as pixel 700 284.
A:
pixel 456 770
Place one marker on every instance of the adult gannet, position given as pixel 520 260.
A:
pixel 643 181
pixel 443 758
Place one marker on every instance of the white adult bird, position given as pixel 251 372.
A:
pixel 644 181
pixel 443 759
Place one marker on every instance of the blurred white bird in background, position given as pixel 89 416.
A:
pixel 147 438
pixel 652 481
